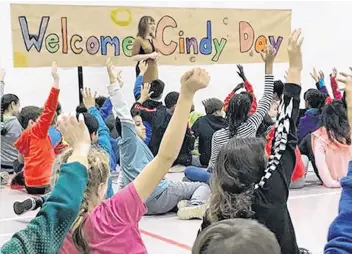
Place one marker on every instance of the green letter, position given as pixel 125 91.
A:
pixel 127 45
pixel 52 43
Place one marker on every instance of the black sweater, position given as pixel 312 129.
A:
pixel 204 129
pixel 271 193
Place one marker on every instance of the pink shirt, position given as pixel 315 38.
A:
pixel 112 227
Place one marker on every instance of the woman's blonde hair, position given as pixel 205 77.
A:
pixel 98 172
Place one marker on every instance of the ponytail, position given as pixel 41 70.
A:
pixel 6 102
pixel 78 236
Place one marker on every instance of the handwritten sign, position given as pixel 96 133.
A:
pixel 88 35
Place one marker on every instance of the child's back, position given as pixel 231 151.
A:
pixel 35 144
pixel 38 156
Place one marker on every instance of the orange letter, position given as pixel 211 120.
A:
pixel 246 36
pixel 165 49
pixel 64 35
pixel 260 43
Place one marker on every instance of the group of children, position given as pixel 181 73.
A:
pixel 240 160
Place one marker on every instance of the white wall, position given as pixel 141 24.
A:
pixel 326 27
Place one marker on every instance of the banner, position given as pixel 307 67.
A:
pixel 88 35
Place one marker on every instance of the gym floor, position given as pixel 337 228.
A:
pixel 312 209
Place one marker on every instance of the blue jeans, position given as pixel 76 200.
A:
pixel 196 174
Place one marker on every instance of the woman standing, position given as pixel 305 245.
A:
pixel 144 49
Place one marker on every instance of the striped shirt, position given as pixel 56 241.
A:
pixel 248 128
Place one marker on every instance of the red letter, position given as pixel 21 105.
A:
pixel 165 49
pixel 246 36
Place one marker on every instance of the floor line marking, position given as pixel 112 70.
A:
pixel 17 218
pixel 166 240
pixel 315 195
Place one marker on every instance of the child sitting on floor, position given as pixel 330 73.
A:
pixel 35 145
pixel 112 225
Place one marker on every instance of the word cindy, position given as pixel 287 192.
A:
pixel 184 45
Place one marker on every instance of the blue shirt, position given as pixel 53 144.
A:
pixel 134 156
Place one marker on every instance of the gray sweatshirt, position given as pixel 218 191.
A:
pixel 8 152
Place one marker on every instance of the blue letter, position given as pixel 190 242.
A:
pixel 35 40
pixel 113 41
pixel 205 46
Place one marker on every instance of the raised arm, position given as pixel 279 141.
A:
pixel 249 88
pixel 282 159
pixel 264 103
pixel 334 86
pixel 143 66
pixel 171 143
pixel 103 130
pixel 106 109
pixel 46 232
pixel 41 128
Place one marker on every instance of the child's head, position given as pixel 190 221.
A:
pixel 58 109
pixel 314 99
pixel 334 119
pixel 99 101
pixel 213 106
pixel 238 110
pixel 138 123
pixel 98 174
pixel 81 108
pixel 28 116
pixel 234 177
pixel 157 87
pixel 10 104
pixel 236 236
pixel 92 125
pixel 278 90
pixel 171 101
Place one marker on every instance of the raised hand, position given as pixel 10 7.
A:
pixel 315 75
pixel 55 75
pixel 2 75
pixel 143 67
pixel 238 87
pixel 114 73
pixel 145 93
pixel 321 75
pixel 88 97
pixel 241 72
pixel 269 54
pixel 76 134
pixel 294 50
pixel 295 57
pixel 334 73
pixel 194 80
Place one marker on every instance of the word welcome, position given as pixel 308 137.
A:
pixel 208 45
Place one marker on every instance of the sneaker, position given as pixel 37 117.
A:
pixel 177 169
pixel 4 178
pixel 304 251
pixel 182 204
pixel 192 212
